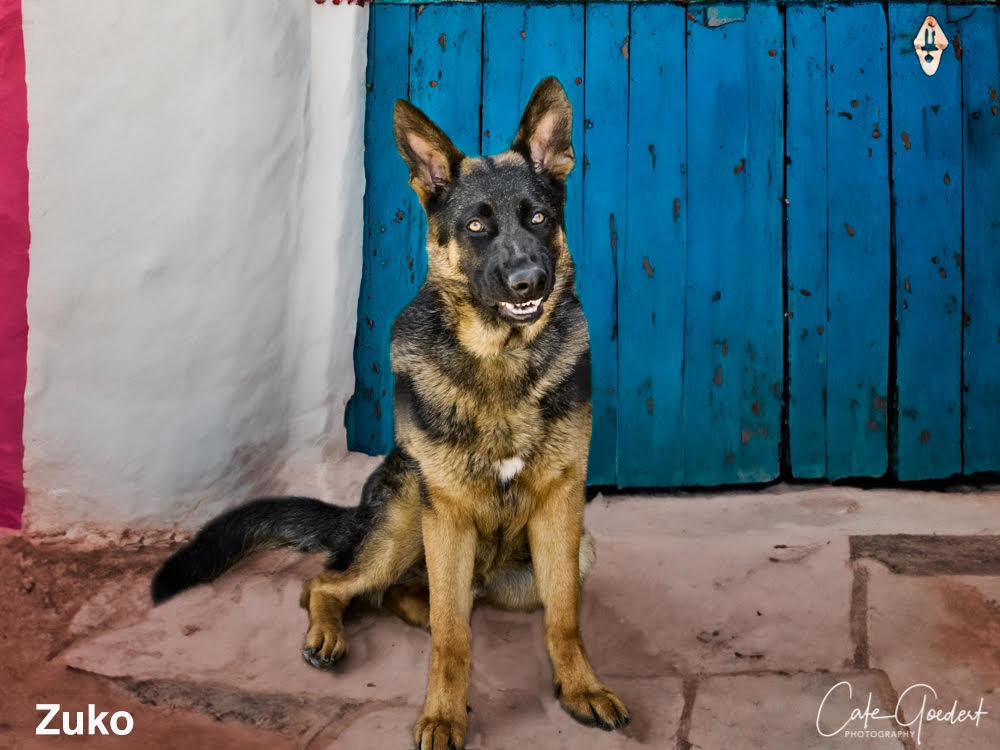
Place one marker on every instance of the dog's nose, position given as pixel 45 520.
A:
pixel 527 282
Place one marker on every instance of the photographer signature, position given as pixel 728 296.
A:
pixel 953 715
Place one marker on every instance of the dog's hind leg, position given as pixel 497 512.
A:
pixel 390 550
pixel 410 602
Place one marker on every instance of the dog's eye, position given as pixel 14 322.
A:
pixel 476 226
pixel 538 217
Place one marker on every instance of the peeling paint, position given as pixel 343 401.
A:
pixel 718 376
pixel 906 140
pixel 739 167
pixel 714 17
pixel 442 40
pixel 849 228
pixel 647 266
pixel 925 436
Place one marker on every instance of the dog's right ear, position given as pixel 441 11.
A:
pixel 427 151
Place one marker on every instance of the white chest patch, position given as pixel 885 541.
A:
pixel 509 468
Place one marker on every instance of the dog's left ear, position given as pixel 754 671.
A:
pixel 545 136
pixel 427 151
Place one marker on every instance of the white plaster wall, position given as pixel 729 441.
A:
pixel 196 177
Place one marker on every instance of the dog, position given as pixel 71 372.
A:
pixel 482 498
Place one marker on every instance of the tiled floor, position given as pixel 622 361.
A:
pixel 742 620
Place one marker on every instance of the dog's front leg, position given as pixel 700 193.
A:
pixel 554 532
pixel 450 549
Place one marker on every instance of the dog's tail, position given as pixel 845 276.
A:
pixel 303 523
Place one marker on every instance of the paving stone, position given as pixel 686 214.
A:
pixel 766 711
pixel 231 649
pixel 763 601
pixel 944 632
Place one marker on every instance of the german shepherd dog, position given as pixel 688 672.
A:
pixel 482 498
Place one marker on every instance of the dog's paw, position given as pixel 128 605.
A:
pixel 598 707
pixel 439 733
pixel 324 646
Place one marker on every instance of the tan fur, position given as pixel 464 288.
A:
pixel 451 535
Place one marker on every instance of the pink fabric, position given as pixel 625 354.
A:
pixel 14 238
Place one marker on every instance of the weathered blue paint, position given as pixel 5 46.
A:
pixel 927 181
pixel 387 282
pixel 806 191
pixel 674 216
pixel 857 241
pixel 981 187
pixel 652 254
pixel 602 163
pixel 733 329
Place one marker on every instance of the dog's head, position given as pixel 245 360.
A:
pixel 495 223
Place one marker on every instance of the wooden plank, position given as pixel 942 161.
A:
pixel 759 402
pixel 602 160
pixel 651 254
pixel 927 182
pixel 446 46
pixel 436 77
pixel 733 329
pixel 980 41
pixel 858 241
pixel 385 279
pixel 445 69
pixel 806 177
pixel 523 45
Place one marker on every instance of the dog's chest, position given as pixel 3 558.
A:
pixel 508 423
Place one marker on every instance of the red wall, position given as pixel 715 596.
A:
pixel 14 236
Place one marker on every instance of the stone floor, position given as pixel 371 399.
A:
pixel 739 620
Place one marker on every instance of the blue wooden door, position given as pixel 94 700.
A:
pixel 787 234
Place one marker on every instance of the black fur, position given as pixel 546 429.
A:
pixel 303 523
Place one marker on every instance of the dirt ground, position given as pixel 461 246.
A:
pixel 42 589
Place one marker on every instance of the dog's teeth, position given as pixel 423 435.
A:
pixel 521 308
